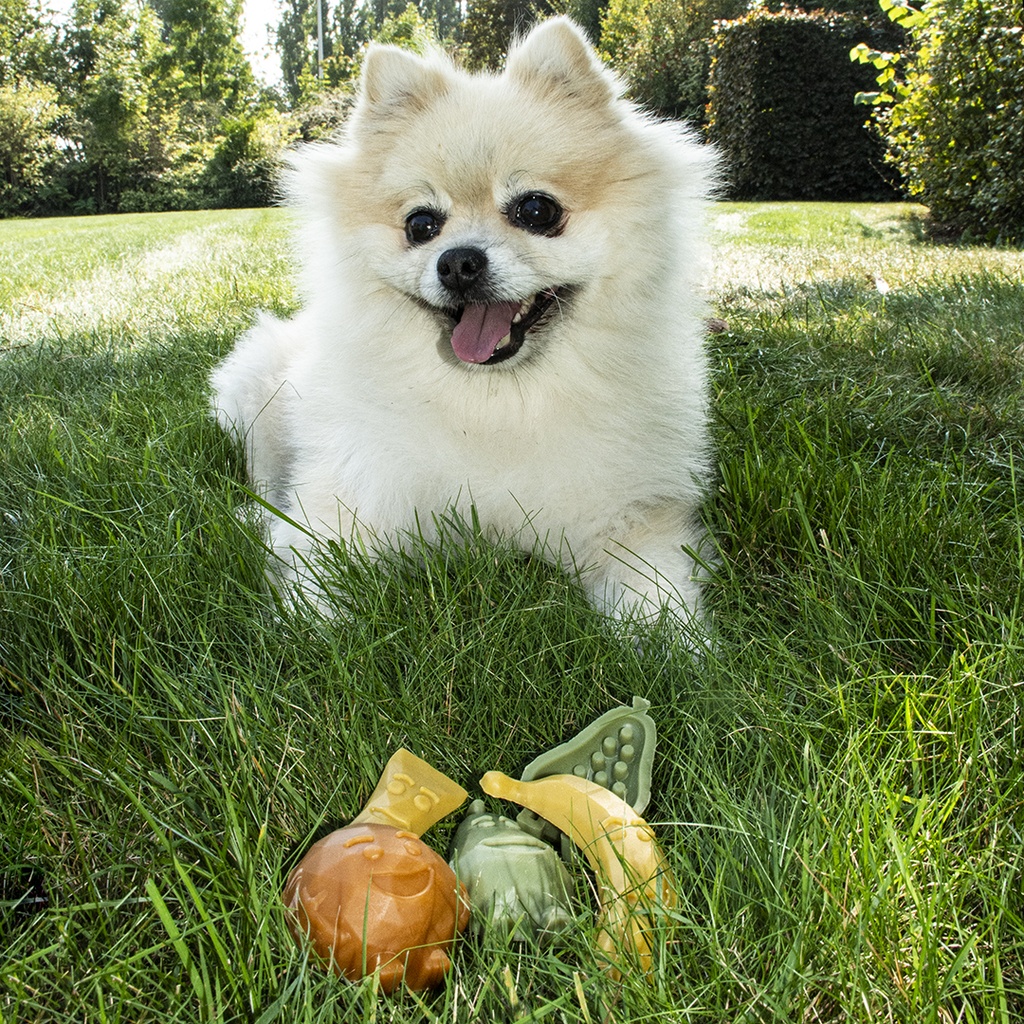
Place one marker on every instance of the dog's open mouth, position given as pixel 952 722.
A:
pixel 491 333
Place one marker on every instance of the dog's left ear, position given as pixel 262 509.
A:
pixel 557 56
pixel 394 79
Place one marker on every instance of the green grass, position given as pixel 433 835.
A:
pixel 839 786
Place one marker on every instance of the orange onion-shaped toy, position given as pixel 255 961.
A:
pixel 375 898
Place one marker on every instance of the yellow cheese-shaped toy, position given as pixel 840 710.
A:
pixel 411 795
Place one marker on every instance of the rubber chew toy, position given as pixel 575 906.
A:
pixel 615 751
pixel 373 897
pixel 411 795
pixel 633 880
pixel 516 883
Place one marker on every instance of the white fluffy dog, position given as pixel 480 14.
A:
pixel 502 311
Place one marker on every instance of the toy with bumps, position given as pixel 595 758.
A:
pixel 372 898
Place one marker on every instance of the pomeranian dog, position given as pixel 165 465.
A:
pixel 502 317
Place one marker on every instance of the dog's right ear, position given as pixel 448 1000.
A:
pixel 394 79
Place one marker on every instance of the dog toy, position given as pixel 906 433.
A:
pixel 615 751
pixel 516 883
pixel 411 795
pixel 634 884
pixel 372 897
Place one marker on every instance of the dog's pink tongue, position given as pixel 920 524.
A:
pixel 481 328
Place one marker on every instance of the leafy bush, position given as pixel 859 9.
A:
pixel 956 129
pixel 28 147
pixel 865 7
pixel 325 113
pixel 246 161
pixel 238 167
pixel 181 185
pixel 782 106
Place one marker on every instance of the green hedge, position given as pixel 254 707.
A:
pixel 782 106
pixel 661 48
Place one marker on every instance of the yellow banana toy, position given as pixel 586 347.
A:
pixel 632 876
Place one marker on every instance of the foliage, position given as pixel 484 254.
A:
pixel 324 114
pixel 443 18
pixel 489 27
pixel 25 37
pixel 203 60
pixel 838 784
pixel 120 124
pixel 350 26
pixel 408 30
pixel 297 47
pixel 347 30
pixel 245 164
pixel 661 49
pixel 588 14
pixel 782 107
pixel 134 107
pixel 28 147
pixel 867 8
pixel 325 103
pixel 952 112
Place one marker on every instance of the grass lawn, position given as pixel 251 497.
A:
pixel 839 785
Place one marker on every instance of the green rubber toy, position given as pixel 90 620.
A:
pixel 615 751
pixel 515 882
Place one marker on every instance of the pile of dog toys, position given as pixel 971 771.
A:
pixel 372 897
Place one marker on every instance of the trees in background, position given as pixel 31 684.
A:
pixel 202 60
pixel 662 49
pixel 152 104
pixel 24 41
pixel 30 111
pixel 129 105
pixel 348 26
pixel 118 120
pixel 489 27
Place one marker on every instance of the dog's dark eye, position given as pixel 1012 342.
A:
pixel 423 225
pixel 536 212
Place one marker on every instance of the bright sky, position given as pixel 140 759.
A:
pixel 256 15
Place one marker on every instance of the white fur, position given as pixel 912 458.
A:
pixel 357 416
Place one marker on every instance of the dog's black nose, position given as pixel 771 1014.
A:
pixel 459 270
